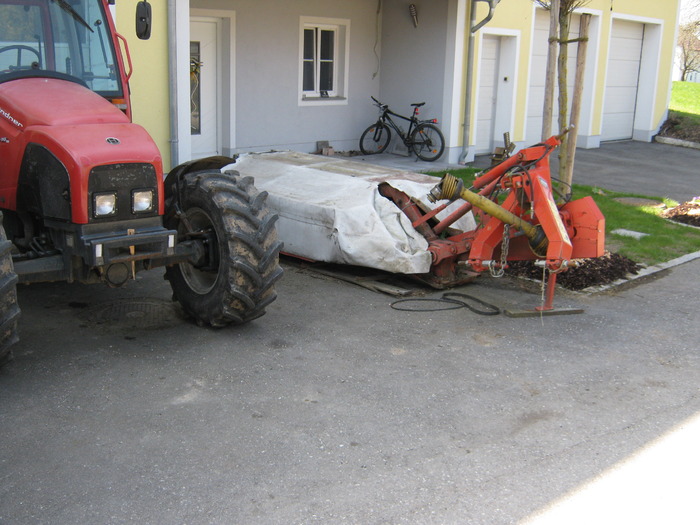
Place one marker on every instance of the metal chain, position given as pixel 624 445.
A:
pixel 544 289
pixel 500 271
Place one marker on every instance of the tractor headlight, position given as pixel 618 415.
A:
pixel 105 204
pixel 142 201
pixel 124 191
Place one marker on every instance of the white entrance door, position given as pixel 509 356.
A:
pixel 204 88
pixel 496 95
pixel 488 94
pixel 623 80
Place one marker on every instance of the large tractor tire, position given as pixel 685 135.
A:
pixel 233 282
pixel 9 310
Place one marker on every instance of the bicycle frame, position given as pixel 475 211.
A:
pixel 423 136
pixel 385 118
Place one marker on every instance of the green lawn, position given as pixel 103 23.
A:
pixel 684 110
pixel 665 240
pixel 685 97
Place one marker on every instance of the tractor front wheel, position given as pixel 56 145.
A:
pixel 233 282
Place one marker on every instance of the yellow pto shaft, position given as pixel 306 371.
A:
pixel 451 188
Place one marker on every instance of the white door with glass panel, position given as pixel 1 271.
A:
pixel 204 88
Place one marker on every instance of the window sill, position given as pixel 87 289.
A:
pixel 323 101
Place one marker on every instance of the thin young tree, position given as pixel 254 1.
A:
pixel 690 10
pixel 689 48
pixel 566 8
pixel 550 76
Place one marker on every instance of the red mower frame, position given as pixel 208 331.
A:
pixel 529 224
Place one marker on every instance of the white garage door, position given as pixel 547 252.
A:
pixel 538 72
pixel 622 80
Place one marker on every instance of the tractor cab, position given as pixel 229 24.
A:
pixel 69 39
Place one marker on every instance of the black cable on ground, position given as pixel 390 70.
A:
pixel 449 302
pixel 491 309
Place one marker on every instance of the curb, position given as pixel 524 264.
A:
pixel 677 142
pixel 644 272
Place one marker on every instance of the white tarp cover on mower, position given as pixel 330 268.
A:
pixel 330 209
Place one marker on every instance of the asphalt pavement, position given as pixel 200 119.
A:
pixel 335 407
pixel 653 169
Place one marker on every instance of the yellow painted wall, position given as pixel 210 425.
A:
pixel 518 15
pixel 149 81
pixel 514 15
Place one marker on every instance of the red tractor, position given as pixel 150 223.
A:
pixel 82 191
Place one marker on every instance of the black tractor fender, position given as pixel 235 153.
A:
pixel 173 180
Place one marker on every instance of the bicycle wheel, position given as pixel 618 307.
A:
pixel 375 139
pixel 427 141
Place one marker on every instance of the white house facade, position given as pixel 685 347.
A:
pixel 260 75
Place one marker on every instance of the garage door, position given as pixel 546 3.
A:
pixel 538 71
pixel 622 80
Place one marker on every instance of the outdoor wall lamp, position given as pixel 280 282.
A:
pixel 414 14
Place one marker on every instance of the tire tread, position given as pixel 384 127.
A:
pixel 251 240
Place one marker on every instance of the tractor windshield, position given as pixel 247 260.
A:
pixel 66 36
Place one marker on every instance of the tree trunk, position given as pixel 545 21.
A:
pixel 576 100
pixel 564 23
pixel 551 70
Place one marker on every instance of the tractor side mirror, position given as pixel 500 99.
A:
pixel 143 20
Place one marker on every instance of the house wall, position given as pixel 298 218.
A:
pixel 149 81
pixel 388 58
pixel 413 65
pixel 660 20
pixel 268 112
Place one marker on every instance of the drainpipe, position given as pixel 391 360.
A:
pixel 466 136
pixel 470 72
pixel 172 70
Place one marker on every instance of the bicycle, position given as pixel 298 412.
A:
pixel 423 136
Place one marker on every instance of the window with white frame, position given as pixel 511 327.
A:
pixel 323 59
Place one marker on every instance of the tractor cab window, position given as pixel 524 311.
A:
pixel 20 27
pixel 66 36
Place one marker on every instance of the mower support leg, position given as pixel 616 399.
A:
pixel 549 293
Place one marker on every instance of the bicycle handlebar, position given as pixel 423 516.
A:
pixel 416 105
pixel 379 104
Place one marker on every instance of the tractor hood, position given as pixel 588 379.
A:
pixel 40 101
pixel 79 128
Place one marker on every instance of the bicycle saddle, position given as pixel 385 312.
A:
pixel 418 104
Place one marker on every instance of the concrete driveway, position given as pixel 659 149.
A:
pixel 638 167
pixel 336 408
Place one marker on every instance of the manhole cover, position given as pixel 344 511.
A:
pixel 135 314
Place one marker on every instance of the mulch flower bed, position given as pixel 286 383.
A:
pixel 589 272
pixel 687 213
pixel 611 266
